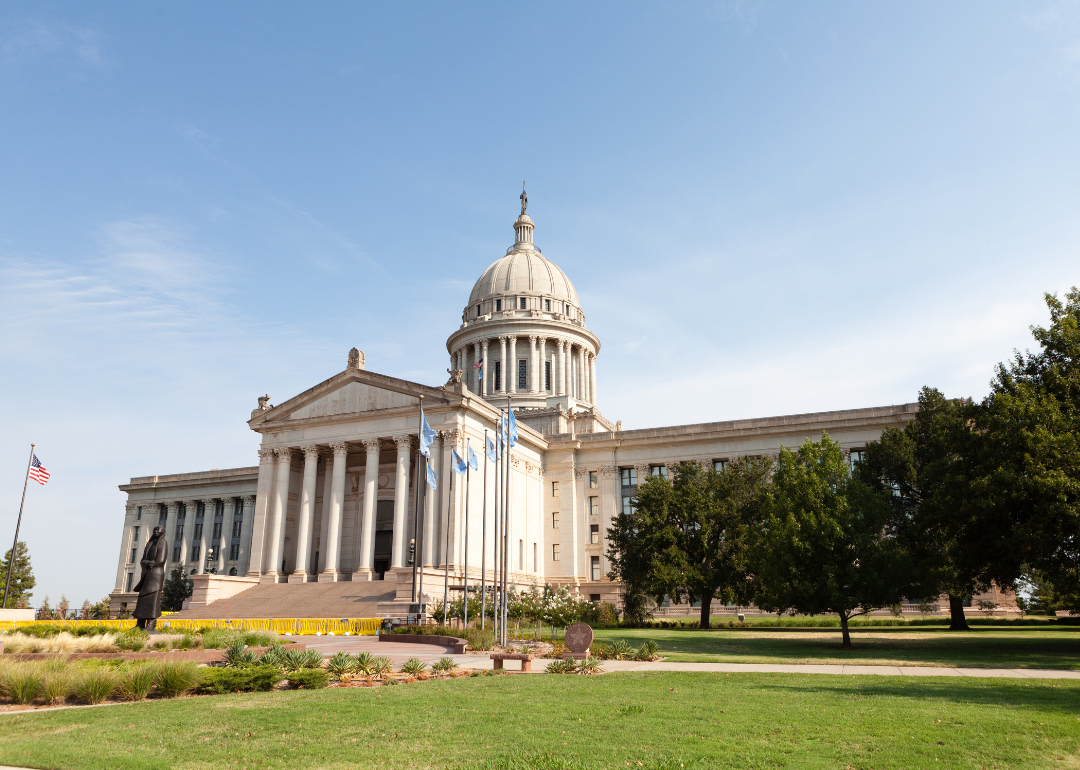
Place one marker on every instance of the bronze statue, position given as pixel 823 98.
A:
pixel 524 197
pixel 148 607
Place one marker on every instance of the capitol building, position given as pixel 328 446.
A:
pixel 323 525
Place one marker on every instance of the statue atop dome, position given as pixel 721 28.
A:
pixel 524 198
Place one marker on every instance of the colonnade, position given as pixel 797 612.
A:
pixel 573 367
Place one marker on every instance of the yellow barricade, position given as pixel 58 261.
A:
pixel 301 626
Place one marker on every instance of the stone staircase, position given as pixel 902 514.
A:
pixel 357 599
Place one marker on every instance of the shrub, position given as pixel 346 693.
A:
pixel 260 639
pixel 413 666
pixel 136 681
pixel 308 679
pixel 238 656
pixel 96 683
pixel 391 681
pixel 57 684
pixel 620 650
pixel 444 666
pixel 564 666
pixel 216 681
pixel 175 677
pixel 24 682
pixel 590 666
pixel 600 650
pixel 340 664
pixel 185 642
pixel 480 638
pixel 132 640
pixel 649 650
pixel 557 651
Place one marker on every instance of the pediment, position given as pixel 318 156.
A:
pixel 350 398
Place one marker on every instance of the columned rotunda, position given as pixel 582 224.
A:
pixel 326 523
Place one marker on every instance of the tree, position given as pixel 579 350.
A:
pixel 689 537
pixel 828 543
pixel 1030 464
pixel 928 472
pixel 175 589
pixel 22 575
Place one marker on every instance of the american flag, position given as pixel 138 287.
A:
pixel 38 472
pixel 479 364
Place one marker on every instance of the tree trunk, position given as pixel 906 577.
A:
pixel 957 621
pixel 844 629
pixel 706 607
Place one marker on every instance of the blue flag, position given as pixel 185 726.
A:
pixel 427 435
pixel 432 477
pixel 513 429
pixel 492 454
pixel 473 462
pixel 457 463
pixel 502 432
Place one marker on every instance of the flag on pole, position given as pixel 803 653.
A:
pixel 480 365
pixel 427 435
pixel 502 432
pixel 473 462
pixel 38 472
pixel 432 477
pixel 492 453
pixel 457 463
pixel 513 429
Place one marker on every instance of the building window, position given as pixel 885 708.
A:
pixel 196 552
pixel 594 534
pixel 134 553
pixel 547 305
pixel 554 519
pixel 498 375
pixel 629 487
pixel 856 457
pixel 498 304
pixel 547 375
pixel 176 553
pixel 554 489
pixel 594 567
pixel 233 571
pixel 523 374
pixel 658 470
pixel 594 482
pixel 720 465
pixel 163 516
pixel 554 551
pixel 138 513
pixel 477 311
pixel 234 552
pixel 522 305
pixel 236 526
pixel 629 477
pixel 130 578
pixel 594 598
pixel 594 506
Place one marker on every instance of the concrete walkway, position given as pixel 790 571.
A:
pixel 429 653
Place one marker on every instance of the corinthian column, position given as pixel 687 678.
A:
pixel 367 520
pixel 534 373
pixel 307 514
pixel 401 500
pixel 337 501
pixel 170 533
pixel 542 361
pixel 502 365
pixel 583 391
pixel 560 375
pixel 260 520
pixel 592 378
pixel 277 515
pixel 243 562
pixel 513 365
pixel 475 376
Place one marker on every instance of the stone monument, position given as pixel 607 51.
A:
pixel 148 607
pixel 578 638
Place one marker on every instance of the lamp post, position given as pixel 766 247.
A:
pixel 211 569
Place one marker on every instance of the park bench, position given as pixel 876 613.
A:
pixel 499 657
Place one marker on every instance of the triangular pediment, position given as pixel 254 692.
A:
pixel 351 392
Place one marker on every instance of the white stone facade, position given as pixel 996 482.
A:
pixel 333 497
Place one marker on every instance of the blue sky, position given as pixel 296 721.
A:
pixel 766 209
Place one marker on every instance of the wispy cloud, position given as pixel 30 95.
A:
pixel 28 40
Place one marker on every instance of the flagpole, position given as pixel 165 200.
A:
pixel 496 577
pixel 446 543
pixel 483 545
pixel 468 470
pixel 18 523
pixel 506 532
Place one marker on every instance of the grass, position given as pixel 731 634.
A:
pixel 653 720
pixel 984 647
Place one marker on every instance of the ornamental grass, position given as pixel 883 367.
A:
pixel 135 682
pixel 95 684
pixel 175 677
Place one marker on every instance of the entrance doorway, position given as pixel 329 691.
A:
pixel 384 536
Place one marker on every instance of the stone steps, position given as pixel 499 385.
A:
pixel 358 599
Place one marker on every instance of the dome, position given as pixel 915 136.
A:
pixel 524 272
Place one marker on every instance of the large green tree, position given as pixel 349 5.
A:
pixel 1030 463
pixel 928 471
pixel 688 536
pixel 828 543
pixel 175 589
pixel 22 575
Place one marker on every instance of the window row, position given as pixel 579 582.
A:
pixel 522 303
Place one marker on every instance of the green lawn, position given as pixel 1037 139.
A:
pixel 984 647
pixel 657 719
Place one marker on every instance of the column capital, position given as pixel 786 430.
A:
pixel 174 506
pixel 266 454
pixel 483 343
pixel 371 444
pixel 403 441
pixel 209 502
pixel 642 471
pixel 533 338
pixel 311 452
pixel 339 448
pixel 511 337
pixel 248 500
pixel 503 338
pixel 130 507
pixel 284 454
pixel 451 437
pixel 192 504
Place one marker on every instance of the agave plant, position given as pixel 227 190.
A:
pixel 413 666
pixel 590 666
pixel 620 650
pixel 239 656
pixel 273 656
pixel 381 666
pixel 444 666
pixel 341 663
pixel 649 650
pixel 563 666
pixel 364 663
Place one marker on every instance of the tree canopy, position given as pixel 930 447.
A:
pixel 22 576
